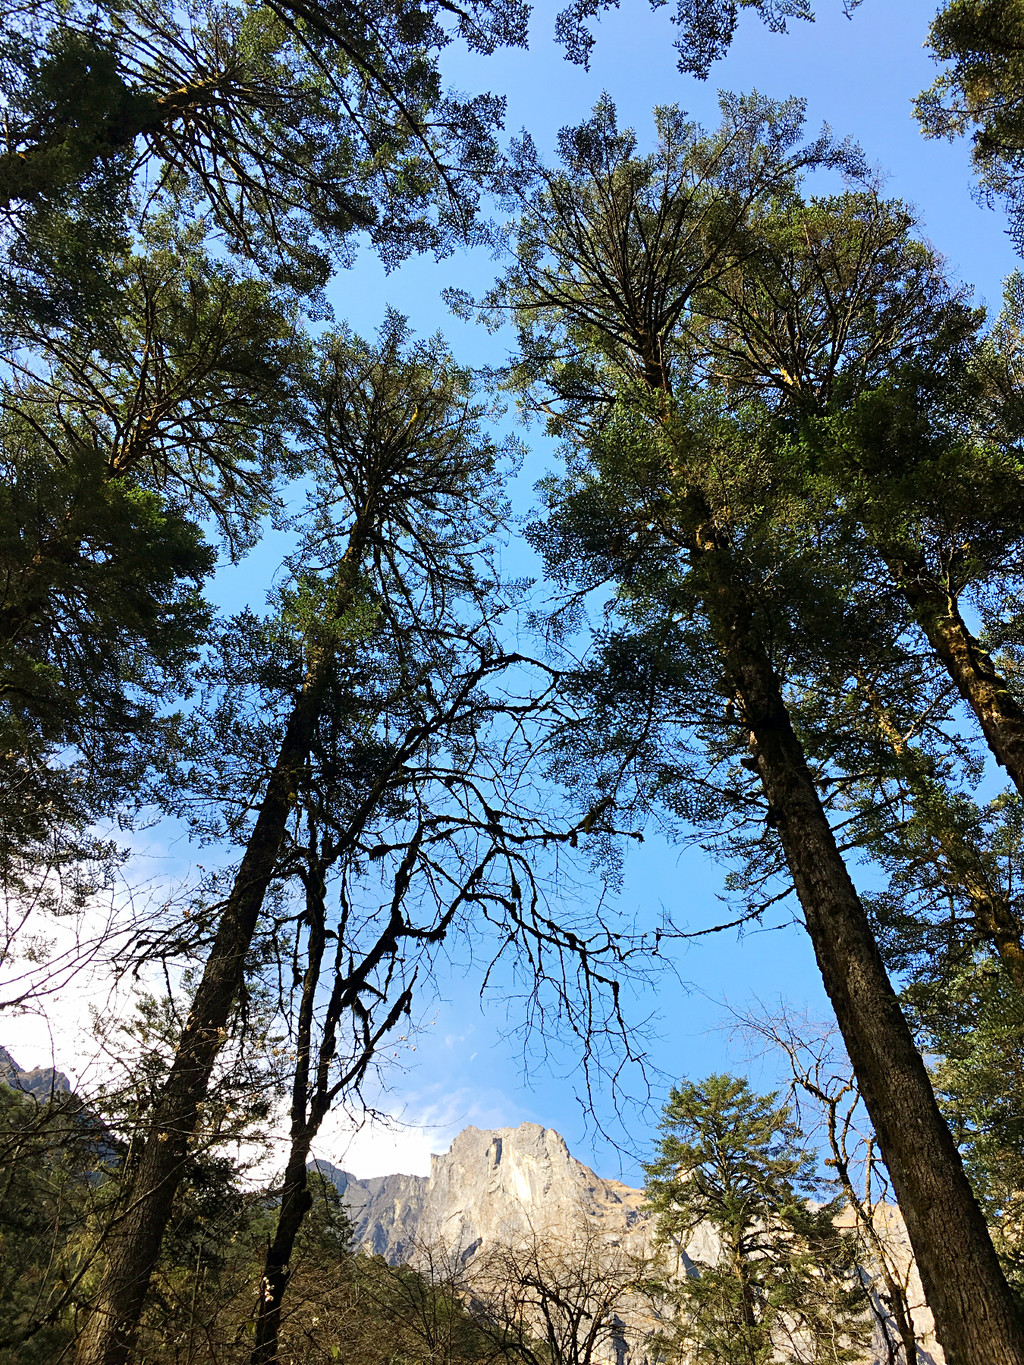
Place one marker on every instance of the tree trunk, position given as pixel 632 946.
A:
pixel 296 1201
pixel 976 1318
pixel 971 668
pixel 135 1237
pixel 313 1093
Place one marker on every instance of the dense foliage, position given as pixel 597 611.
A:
pixel 784 1286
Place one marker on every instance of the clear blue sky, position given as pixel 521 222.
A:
pixel 860 77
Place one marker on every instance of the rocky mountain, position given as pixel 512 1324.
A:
pixel 490 1188
pixel 41 1081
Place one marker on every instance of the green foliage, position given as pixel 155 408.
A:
pixel 67 1164
pixel 57 268
pixel 115 444
pixel 970 1017
pixel 706 27
pixel 784 1285
pixel 62 1175
pixel 100 619
pixel 285 130
pixel 981 91
pixel 51 1155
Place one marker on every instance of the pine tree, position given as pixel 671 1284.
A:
pixel 731 584
pixel 784 1286
pixel 119 441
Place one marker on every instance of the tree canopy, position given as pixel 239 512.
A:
pixel 779 616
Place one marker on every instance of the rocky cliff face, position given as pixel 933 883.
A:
pixel 490 1188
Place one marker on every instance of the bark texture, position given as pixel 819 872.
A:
pixel 976 1317
pixel 971 668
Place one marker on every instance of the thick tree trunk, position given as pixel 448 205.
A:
pixel 134 1241
pixel 976 1318
pixel 972 670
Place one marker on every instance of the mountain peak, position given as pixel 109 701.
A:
pixel 492 1185
pixel 42 1082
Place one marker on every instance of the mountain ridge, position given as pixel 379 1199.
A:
pixel 42 1081
pixel 493 1185
pixel 503 1186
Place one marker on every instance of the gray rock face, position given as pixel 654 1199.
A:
pixel 491 1187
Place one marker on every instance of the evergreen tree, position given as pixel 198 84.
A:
pixel 971 1019
pixel 908 421
pixel 282 129
pixel 49 1203
pixel 732 585
pixel 118 442
pixel 784 1286
pixel 981 91
pixel 396 542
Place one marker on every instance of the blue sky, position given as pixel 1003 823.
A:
pixel 860 76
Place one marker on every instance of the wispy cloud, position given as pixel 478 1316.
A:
pixel 402 1139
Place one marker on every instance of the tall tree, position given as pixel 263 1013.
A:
pixel 406 503
pixel 118 442
pixel 444 853
pixel 690 506
pixel 844 323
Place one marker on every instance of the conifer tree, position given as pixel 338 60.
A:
pixel 118 442
pixel 908 420
pixel 981 91
pixel 784 1286
pixel 405 506
pixel 282 129
pixel 687 500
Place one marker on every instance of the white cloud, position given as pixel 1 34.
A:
pixel 56 1028
pixel 50 996
pixel 402 1141
pixel 61 972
